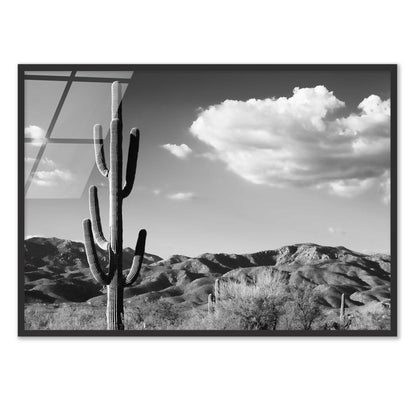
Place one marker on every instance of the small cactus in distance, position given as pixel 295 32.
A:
pixel 217 290
pixel 210 304
pixel 93 233
pixel 214 299
pixel 342 309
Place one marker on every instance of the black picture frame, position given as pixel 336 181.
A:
pixel 392 68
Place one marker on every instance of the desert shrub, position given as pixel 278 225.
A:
pixel 199 319
pixel 301 308
pixel 374 317
pixel 250 306
pixel 255 313
pixel 370 317
pixel 64 317
pixel 157 315
pixel 266 304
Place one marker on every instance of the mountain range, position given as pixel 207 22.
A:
pixel 56 271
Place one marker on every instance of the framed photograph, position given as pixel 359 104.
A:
pixel 220 200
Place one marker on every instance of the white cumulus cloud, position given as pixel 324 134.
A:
pixel 181 196
pixel 36 133
pixel 182 151
pixel 48 173
pixel 53 177
pixel 299 141
pixel 350 188
pixel 45 162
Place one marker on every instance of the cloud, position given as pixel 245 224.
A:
pixel 333 230
pixel 44 162
pixel 385 187
pixel 299 141
pixel 208 155
pixel 182 196
pixel 181 151
pixel 349 188
pixel 156 192
pixel 48 173
pixel 36 133
pixel 53 177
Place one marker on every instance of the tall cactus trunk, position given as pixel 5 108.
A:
pixel 115 304
pixel 114 279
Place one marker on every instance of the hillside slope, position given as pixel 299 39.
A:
pixel 57 271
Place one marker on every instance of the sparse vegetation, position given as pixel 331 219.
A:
pixel 64 317
pixel 296 287
pixel 160 314
pixel 264 305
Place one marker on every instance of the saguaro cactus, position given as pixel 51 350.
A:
pixel 113 279
pixel 217 290
pixel 213 299
pixel 342 308
pixel 210 304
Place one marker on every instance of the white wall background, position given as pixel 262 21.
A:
pixel 162 376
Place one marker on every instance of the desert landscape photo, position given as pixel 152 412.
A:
pixel 208 200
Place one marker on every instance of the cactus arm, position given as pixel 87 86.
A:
pixel 92 256
pixel 112 264
pixel 131 161
pixel 134 272
pixel 99 150
pixel 96 219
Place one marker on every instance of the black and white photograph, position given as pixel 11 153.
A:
pixel 207 200
pixel 208 208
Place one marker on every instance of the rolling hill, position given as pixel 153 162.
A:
pixel 56 271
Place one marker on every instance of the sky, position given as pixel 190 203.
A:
pixel 233 161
